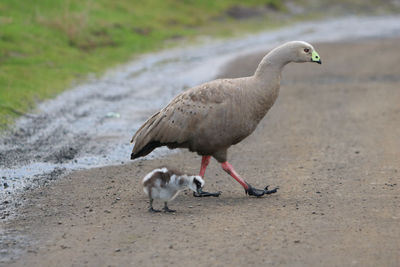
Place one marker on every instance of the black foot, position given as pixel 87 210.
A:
pixel 153 210
pixel 251 191
pixel 206 194
pixel 267 192
pixel 166 209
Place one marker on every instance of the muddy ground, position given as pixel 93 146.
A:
pixel 331 143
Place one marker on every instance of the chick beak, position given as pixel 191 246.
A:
pixel 199 190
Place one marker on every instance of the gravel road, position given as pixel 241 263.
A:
pixel 331 143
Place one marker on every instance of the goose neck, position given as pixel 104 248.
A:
pixel 272 64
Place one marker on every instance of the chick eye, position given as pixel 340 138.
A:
pixel 197 182
pixel 306 50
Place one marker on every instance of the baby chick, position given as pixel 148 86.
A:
pixel 165 184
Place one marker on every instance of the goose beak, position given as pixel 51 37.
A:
pixel 315 57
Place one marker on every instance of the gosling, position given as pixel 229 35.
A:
pixel 165 185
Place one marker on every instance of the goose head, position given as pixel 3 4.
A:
pixel 299 51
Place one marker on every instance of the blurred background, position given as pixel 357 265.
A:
pixel 46 46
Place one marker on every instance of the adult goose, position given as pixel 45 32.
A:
pixel 213 116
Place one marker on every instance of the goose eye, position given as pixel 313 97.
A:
pixel 306 50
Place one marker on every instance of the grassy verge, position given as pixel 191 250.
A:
pixel 47 44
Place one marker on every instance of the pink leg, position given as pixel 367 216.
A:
pixel 247 187
pixel 229 169
pixel 205 160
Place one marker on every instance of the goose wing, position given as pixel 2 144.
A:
pixel 176 123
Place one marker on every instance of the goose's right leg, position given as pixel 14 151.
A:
pixel 205 160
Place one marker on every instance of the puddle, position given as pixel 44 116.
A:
pixel 11 246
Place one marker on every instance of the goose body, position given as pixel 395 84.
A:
pixel 165 184
pixel 207 119
pixel 211 117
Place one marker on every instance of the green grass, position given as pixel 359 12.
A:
pixel 45 45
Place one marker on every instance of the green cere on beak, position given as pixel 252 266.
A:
pixel 315 57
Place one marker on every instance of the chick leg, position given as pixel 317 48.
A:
pixel 166 209
pixel 151 207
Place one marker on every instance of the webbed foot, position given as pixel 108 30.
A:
pixel 166 209
pixel 251 191
pixel 202 193
pixel 153 210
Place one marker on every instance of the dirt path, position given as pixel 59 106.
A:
pixel 331 143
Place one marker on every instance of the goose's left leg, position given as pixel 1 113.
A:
pixel 247 187
pixel 205 160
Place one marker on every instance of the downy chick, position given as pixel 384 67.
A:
pixel 165 184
